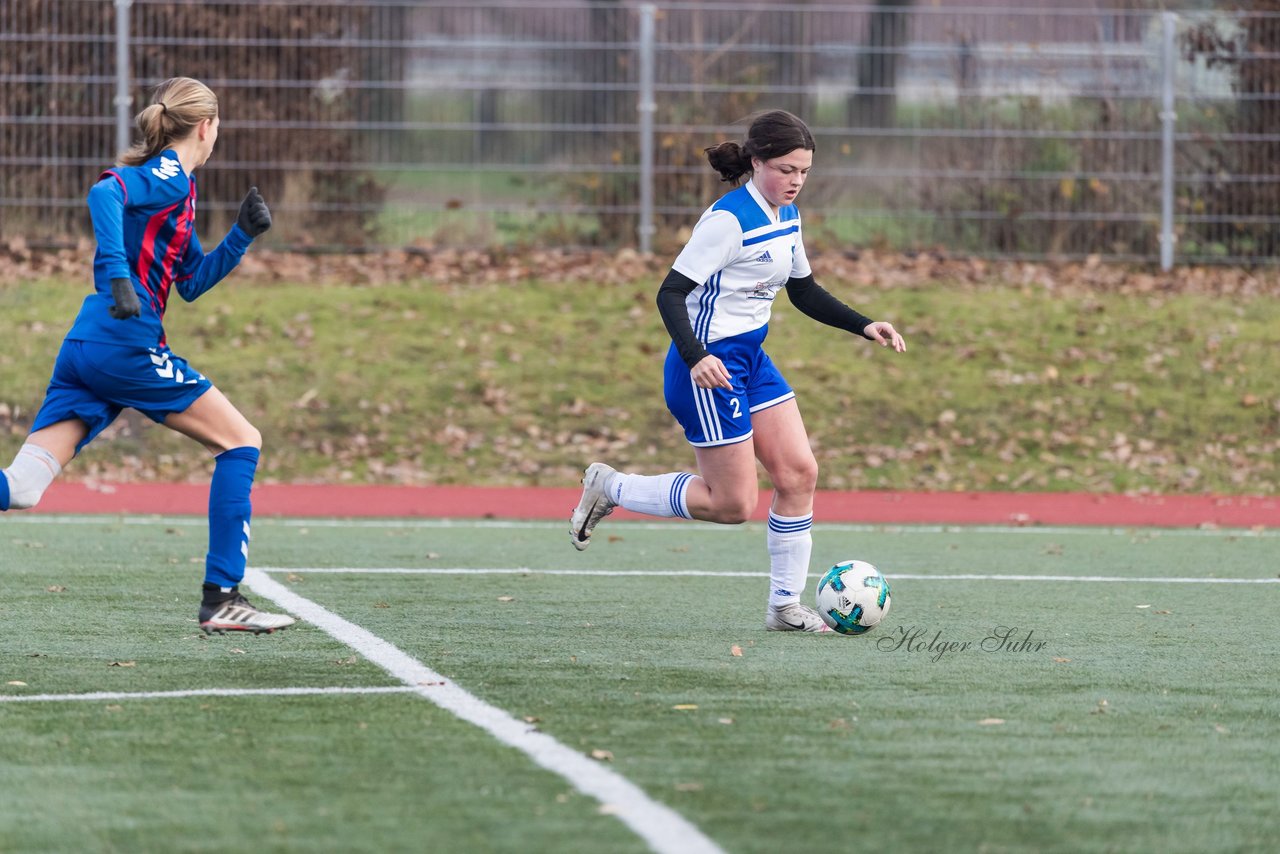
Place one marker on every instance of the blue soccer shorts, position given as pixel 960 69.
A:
pixel 94 382
pixel 721 416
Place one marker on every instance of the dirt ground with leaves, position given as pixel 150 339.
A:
pixel 866 268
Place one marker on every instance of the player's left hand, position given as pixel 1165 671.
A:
pixel 883 333
pixel 124 298
pixel 254 218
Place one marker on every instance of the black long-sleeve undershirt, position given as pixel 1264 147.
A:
pixel 806 295
pixel 817 302
pixel 675 289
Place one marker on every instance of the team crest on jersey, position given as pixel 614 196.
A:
pixel 766 290
pixel 167 169
pixel 766 258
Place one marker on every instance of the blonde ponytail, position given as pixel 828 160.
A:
pixel 177 106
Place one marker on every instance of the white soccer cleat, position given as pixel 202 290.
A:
pixel 794 617
pixel 238 614
pixel 594 505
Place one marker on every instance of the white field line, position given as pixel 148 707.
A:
pixel 201 692
pixel 699 573
pixel 518 524
pixel 666 831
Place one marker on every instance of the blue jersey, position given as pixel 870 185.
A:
pixel 144 222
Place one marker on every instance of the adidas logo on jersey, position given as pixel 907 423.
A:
pixel 766 258
pixel 167 169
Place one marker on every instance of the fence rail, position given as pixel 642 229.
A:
pixel 1032 132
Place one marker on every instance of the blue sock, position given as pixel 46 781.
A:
pixel 229 513
pixel 4 491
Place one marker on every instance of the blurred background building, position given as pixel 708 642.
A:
pixel 1049 130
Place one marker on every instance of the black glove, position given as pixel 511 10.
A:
pixel 126 298
pixel 254 218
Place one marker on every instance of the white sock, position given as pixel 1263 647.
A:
pixel 33 469
pixel 790 543
pixel 654 495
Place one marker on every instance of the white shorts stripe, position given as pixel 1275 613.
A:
pixel 788 396
pixel 705 400
pixel 735 440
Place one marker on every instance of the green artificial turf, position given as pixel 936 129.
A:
pixel 1126 715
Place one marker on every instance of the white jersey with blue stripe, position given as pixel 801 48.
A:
pixel 743 254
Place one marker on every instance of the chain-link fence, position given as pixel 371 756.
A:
pixel 1029 132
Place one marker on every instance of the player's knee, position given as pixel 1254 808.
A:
pixel 733 510
pixel 246 436
pixel 800 478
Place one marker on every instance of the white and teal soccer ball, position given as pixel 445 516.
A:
pixel 853 597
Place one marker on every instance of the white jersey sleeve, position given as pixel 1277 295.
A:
pixel 799 260
pixel 715 243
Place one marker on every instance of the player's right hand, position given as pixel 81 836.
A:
pixel 126 300
pixel 711 373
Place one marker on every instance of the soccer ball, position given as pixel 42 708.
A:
pixel 853 597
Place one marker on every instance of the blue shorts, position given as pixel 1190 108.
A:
pixel 94 382
pixel 719 416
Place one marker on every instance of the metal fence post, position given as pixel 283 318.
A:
pixel 647 106
pixel 1169 60
pixel 122 100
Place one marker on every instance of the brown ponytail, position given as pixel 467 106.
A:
pixel 729 160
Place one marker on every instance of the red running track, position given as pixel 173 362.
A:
pixel 475 502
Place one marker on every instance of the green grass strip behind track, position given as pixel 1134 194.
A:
pixel 1001 388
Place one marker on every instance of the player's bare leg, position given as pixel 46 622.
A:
pixel 725 492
